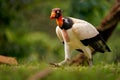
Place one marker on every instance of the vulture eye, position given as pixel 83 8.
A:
pixel 57 11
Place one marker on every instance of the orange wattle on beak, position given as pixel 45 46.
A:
pixel 52 15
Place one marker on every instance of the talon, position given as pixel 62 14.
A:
pixel 90 62
pixel 55 64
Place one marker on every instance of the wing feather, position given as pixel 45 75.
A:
pixel 84 30
pixel 89 35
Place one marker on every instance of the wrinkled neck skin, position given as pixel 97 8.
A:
pixel 59 21
pixel 64 32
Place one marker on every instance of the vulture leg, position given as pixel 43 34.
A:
pixel 88 53
pixel 67 54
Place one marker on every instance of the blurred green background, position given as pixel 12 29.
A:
pixel 27 33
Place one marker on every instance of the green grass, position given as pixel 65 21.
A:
pixel 25 71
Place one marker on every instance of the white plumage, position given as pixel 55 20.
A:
pixel 82 29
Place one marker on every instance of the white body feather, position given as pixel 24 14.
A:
pixel 80 30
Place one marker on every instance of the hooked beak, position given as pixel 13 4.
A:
pixel 53 14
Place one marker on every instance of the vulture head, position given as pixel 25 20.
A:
pixel 56 13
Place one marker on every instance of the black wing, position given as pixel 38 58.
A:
pixel 97 43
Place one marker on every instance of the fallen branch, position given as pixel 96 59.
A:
pixel 8 60
pixel 41 74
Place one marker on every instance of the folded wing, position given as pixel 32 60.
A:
pixel 89 36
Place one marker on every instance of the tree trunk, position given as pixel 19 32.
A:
pixel 106 28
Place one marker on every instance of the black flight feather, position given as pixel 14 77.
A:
pixel 97 43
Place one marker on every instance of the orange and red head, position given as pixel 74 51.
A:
pixel 56 13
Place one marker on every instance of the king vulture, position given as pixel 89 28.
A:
pixel 79 35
